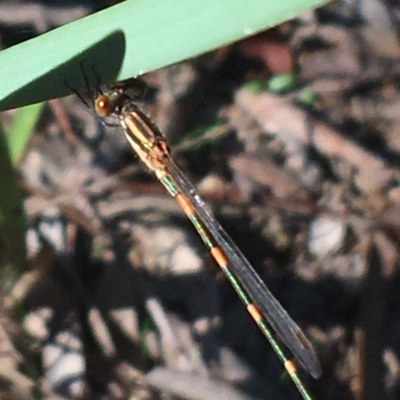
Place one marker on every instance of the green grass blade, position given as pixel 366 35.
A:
pixel 130 39
pixel 21 130
pixel 12 221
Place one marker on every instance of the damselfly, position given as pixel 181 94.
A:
pixel 149 144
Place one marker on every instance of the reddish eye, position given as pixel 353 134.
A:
pixel 102 106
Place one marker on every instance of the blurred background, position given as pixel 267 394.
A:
pixel 292 137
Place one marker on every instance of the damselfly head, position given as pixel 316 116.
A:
pixel 113 98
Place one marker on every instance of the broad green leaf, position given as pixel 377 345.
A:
pixel 130 39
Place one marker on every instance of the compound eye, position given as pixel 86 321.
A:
pixel 102 106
